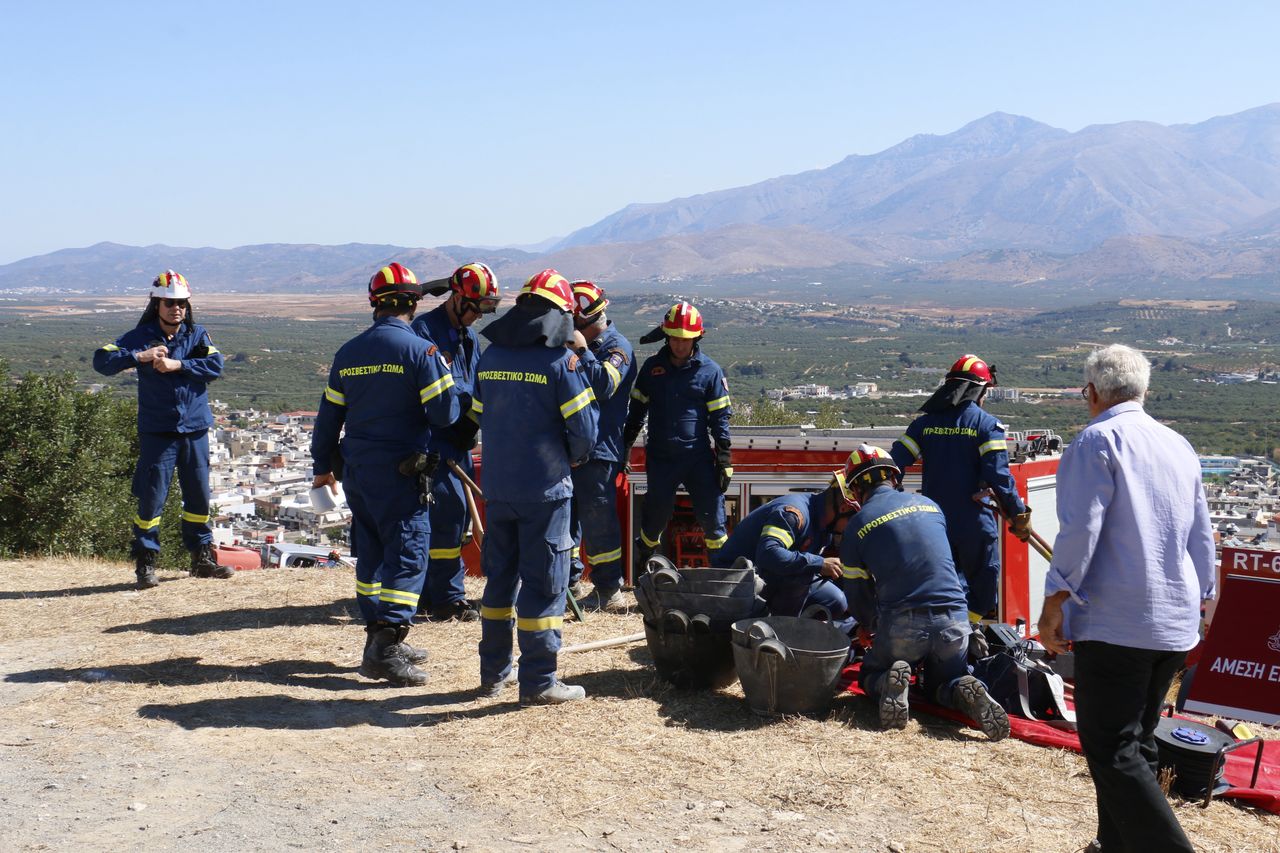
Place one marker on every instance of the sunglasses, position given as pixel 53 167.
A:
pixel 174 303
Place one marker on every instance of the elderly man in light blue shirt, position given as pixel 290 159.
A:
pixel 1133 560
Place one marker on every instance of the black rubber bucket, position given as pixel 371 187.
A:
pixel 722 595
pixel 788 664
pixel 689 653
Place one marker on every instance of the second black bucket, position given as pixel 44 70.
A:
pixel 787 664
pixel 689 653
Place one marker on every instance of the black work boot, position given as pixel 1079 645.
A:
pixel 412 654
pixel 385 657
pixel 205 565
pixel 145 569
pixel 460 610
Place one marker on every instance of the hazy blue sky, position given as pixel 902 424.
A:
pixel 424 124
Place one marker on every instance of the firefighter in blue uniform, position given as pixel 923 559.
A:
pixel 610 366
pixel 903 588
pixel 686 398
pixel 794 542
pixel 960 446
pixel 176 360
pixel 539 418
pixel 473 292
pixel 389 391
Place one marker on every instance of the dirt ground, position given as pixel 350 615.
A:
pixel 227 716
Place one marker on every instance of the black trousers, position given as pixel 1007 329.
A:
pixel 1120 692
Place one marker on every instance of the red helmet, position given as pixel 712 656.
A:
pixel 865 466
pixel 391 280
pixel 588 299
pixel 682 321
pixel 476 283
pixel 552 286
pixel 972 369
pixel 170 285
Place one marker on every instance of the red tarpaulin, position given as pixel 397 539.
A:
pixel 1239 770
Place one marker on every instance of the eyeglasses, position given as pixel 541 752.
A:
pixel 1084 393
pixel 174 303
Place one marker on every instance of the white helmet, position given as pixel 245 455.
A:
pixel 170 285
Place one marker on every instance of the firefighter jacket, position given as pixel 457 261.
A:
pixel 959 448
pixel 683 403
pixel 167 402
pixel 536 410
pixel 782 538
pixel 389 390
pixel 460 349
pixel 895 556
pixel 610 365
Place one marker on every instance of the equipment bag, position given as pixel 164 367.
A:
pixel 1025 687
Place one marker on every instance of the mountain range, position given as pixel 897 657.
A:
pixel 1003 199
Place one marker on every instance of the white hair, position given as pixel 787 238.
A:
pixel 1118 373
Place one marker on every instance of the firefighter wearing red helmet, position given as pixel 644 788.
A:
pixel 472 293
pixel 387 393
pixel 539 417
pixel 908 601
pixel 794 541
pixel 961 447
pixel 175 360
pixel 685 396
pixel 610 366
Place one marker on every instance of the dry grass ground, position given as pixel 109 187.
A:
pixel 227 716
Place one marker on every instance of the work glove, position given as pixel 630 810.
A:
pixel 1020 525
pixel 979 648
pixel 462 433
pixel 724 465
pixel 629 435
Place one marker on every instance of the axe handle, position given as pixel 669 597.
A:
pixel 477 527
pixel 466 481
pixel 602 644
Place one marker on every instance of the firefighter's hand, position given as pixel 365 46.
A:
pixel 979 648
pixel 1050 625
pixel 577 342
pixel 164 364
pixel 1020 525
pixel 149 355
pixel 325 480
pixel 724 476
pixel 831 569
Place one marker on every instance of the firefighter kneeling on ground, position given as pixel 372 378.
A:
pixel 788 539
pixel 685 396
pixel 961 447
pixel 176 361
pixel 390 391
pixel 902 587
pixel 540 419
pixel 610 366
pixel 473 293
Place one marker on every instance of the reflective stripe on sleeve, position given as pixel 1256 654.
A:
pixel 334 397
pixel 780 533
pixel 110 348
pixel 435 389
pixel 854 573
pixel 718 403
pixel 719 541
pixel 577 404
pixel 992 446
pixel 910 444
pixel 637 394
pixel 613 374
pixel 649 543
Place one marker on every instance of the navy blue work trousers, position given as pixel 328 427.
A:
pixel 158 455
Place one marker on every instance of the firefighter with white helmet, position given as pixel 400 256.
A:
pixel 610 366
pixel 961 447
pixel 387 393
pixel 794 542
pixel 175 360
pixel 903 588
pixel 473 293
pixel 685 396
pixel 538 412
